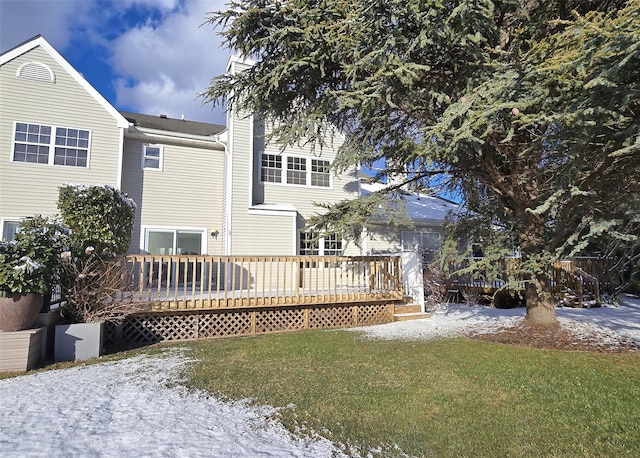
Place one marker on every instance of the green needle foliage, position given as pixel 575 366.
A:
pixel 528 110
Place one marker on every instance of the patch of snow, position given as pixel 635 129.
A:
pixel 610 322
pixel 136 407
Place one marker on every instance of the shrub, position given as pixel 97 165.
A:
pixel 31 262
pixel 99 216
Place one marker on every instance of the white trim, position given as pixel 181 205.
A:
pixel 52 76
pixel 143 156
pixel 120 157
pixel 272 211
pixel 251 160
pixel 121 121
pixel 228 216
pixel 202 141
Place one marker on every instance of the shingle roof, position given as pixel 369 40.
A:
pixel 173 125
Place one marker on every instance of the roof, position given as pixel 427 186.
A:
pixel 39 41
pixel 419 207
pixel 173 125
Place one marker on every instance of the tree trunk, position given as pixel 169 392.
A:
pixel 541 308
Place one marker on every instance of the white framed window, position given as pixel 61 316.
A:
pixel 329 245
pixel 320 173
pixel 296 170
pixel 152 157
pixel 10 227
pixel 299 170
pixel 271 168
pixel 35 143
pixel 169 241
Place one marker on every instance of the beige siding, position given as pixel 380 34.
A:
pixel 186 193
pixel 244 229
pixel 27 189
pixel 248 231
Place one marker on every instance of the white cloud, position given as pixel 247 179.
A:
pixel 163 64
pixel 57 20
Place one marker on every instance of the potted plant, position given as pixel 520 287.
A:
pixel 29 267
pixel 96 291
pixel 95 277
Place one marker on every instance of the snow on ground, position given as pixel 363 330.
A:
pixel 134 407
pixel 611 321
pixel 137 407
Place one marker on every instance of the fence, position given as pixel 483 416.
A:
pixel 582 276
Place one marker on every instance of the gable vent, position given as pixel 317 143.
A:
pixel 36 71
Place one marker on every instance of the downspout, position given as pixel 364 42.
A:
pixel 120 158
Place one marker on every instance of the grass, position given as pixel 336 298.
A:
pixel 449 397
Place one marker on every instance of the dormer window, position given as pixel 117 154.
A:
pixel 36 71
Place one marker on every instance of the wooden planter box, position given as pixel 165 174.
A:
pixel 21 350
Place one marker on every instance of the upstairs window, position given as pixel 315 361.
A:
pixel 296 170
pixel 299 171
pixel 72 147
pixel 152 157
pixel 320 173
pixel 271 170
pixel 34 143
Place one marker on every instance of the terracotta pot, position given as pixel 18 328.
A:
pixel 19 311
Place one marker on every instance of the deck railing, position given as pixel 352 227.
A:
pixel 583 276
pixel 186 282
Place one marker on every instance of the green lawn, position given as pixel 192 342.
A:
pixel 446 398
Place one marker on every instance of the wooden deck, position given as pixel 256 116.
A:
pixel 169 283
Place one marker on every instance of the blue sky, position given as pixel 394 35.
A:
pixel 147 56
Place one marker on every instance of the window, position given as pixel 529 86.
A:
pixel 152 157
pixel 300 171
pixel 311 245
pixel 426 242
pixel 174 241
pixel 332 245
pixel 320 173
pixel 9 230
pixel 34 142
pixel 72 147
pixel 271 171
pixel 296 170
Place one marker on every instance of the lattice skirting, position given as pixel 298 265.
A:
pixel 140 330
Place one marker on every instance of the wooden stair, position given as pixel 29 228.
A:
pixel 407 312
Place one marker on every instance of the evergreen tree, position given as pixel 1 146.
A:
pixel 528 109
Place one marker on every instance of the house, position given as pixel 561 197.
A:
pixel 200 188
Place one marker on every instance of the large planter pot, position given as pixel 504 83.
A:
pixel 19 311
pixel 78 341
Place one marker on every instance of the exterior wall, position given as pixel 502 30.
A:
pixel 251 232
pixel 186 193
pixel 26 188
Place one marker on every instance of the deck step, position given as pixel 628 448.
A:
pixel 407 308
pixel 410 316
